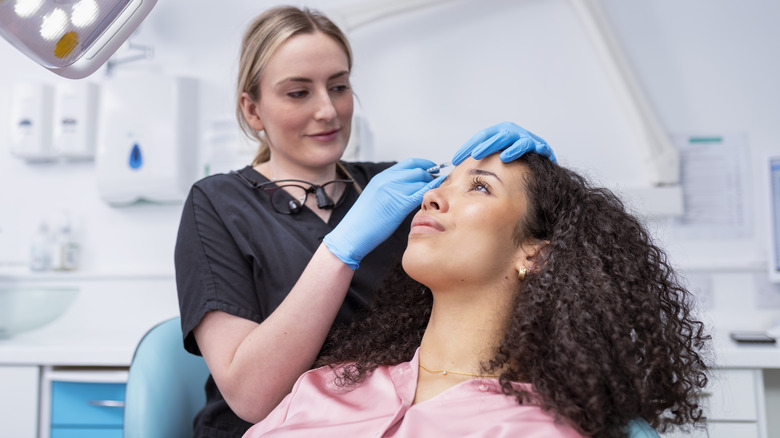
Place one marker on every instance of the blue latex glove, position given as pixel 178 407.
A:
pixel 507 137
pixel 385 202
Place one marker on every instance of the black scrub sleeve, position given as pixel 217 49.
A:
pixel 211 271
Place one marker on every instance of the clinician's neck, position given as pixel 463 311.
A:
pixel 276 170
pixel 464 332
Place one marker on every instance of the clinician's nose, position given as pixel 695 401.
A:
pixel 435 200
pixel 325 108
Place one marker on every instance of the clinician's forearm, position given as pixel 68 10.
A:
pixel 256 367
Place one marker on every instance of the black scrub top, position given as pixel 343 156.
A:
pixel 235 254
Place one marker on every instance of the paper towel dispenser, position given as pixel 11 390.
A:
pixel 147 147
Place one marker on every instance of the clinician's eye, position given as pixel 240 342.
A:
pixel 298 94
pixel 480 185
pixel 339 88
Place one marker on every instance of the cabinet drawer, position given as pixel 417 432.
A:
pixel 719 430
pixel 85 433
pixel 87 404
pixel 731 396
pixel 732 430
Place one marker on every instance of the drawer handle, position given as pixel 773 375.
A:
pixel 107 403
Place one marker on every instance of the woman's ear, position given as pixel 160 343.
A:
pixel 249 108
pixel 531 254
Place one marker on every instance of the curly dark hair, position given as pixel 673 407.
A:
pixel 603 330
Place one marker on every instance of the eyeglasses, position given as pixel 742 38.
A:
pixel 288 196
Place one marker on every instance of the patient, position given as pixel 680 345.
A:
pixel 546 311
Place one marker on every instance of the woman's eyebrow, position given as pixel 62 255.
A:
pixel 484 173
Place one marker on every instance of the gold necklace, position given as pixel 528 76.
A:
pixel 446 372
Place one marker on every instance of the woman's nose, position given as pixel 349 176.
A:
pixel 434 199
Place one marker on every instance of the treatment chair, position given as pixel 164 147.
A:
pixel 639 428
pixel 165 386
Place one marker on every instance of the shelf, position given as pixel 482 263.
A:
pixel 14 275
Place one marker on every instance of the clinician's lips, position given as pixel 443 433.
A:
pixel 325 136
pixel 425 224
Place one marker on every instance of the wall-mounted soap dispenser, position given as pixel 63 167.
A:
pixel 75 119
pixel 147 139
pixel 31 121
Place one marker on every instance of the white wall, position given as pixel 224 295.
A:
pixel 429 79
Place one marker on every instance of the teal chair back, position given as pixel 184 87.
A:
pixel 639 428
pixel 165 385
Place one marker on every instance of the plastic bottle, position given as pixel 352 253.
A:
pixel 67 249
pixel 41 248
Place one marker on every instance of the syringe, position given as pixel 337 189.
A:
pixel 436 170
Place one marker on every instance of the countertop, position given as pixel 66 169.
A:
pixel 64 345
pixel 111 314
pixel 729 354
pixel 72 346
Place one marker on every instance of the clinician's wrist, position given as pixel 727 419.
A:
pixel 344 256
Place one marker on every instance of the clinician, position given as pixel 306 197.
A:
pixel 249 304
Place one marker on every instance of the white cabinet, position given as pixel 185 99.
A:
pixel 734 406
pixel 732 395
pixel 19 403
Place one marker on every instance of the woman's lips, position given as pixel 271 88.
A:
pixel 326 136
pixel 425 224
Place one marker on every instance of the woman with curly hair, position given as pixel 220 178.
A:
pixel 532 305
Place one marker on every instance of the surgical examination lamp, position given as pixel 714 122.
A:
pixel 71 38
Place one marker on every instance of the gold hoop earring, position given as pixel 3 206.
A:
pixel 521 273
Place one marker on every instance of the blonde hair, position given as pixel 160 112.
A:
pixel 269 31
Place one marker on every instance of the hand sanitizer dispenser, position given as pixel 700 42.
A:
pixel 147 139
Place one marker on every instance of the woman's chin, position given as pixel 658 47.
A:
pixel 421 269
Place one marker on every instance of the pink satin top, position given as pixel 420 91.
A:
pixel 382 407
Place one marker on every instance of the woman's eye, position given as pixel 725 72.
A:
pixel 480 186
pixel 339 88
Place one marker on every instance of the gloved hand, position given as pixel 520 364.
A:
pixel 385 202
pixel 513 140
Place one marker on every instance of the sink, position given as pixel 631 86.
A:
pixel 27 308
